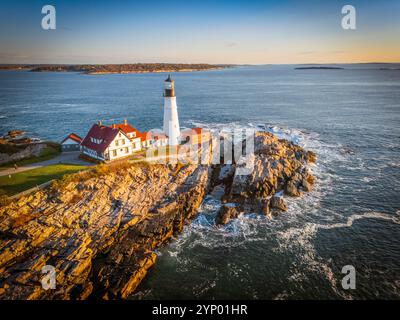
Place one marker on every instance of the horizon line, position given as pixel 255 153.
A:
pixel 206 63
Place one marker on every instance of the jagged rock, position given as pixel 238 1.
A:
pixel 265 208
pixel 306 185
pixel 226 213
pixel 278 164
pixel 311 157
pixel 218 192
pixel 278 203
pixel 307 181
pixel 102 245
pixel 24 152
pixel 292 189
pixel 15 133
pixel 100 233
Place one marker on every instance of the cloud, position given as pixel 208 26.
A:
pixel 231 44
pixel 303 53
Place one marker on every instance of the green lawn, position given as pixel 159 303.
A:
pixel 48 153
pixel 31 178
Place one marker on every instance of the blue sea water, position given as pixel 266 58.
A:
pixel 349 117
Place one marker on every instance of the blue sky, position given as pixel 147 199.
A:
pixel 206 31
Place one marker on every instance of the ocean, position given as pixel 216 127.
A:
pixel 349 117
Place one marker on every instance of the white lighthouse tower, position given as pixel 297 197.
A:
pixel 171 120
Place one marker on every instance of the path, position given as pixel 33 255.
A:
pixel 65 158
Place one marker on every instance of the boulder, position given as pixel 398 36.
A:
pixel 311 157
pixel 308 181
pixel 292 189
pixel 265 208
pixel 226 213
pixel 278 203
pixel 306 185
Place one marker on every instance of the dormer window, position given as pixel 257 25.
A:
pixel 95 140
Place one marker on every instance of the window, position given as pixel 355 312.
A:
pixel 114 153
pixel 117 143
pixel 123 141
pixel 126 150
pixel 95 140
pixel 119 135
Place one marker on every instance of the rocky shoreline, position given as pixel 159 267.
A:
pixel 280 168
pixel 126 68
pixel 100 233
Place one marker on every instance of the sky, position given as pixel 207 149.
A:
pixel 204 31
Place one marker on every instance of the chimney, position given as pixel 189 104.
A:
pixel 114 126
pixel 125 121
pixel 99 123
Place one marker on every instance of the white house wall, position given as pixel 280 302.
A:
pixel 91 153
pixel 120 149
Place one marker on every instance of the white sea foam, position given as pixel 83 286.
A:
pixel 294 231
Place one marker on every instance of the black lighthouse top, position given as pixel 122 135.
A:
pixel 169 87
pixel 169 79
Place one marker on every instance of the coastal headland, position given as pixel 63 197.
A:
pixel 99 229
pixel 115 68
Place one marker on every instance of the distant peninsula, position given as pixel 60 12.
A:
pixel 318 68
pixel 115 68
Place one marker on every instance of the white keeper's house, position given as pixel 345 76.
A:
pixel 106 143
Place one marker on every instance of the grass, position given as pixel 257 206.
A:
pixel 28 179
pixel 96 171
pixel 48 152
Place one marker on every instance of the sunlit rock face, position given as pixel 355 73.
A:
pixel 100 233
pixel 280 167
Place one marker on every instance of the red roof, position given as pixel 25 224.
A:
pixel 144 136
pixel 74 137
pixel 127 128
pixel 103 133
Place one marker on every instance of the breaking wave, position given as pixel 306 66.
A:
pixel 292 233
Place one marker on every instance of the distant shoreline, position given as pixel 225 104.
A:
pixel 319 68
pixel 115 68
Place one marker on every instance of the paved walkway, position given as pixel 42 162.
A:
pixel 66 158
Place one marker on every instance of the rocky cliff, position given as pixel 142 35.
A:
pixel 279 168
pixel 20 152
pixel 100 233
